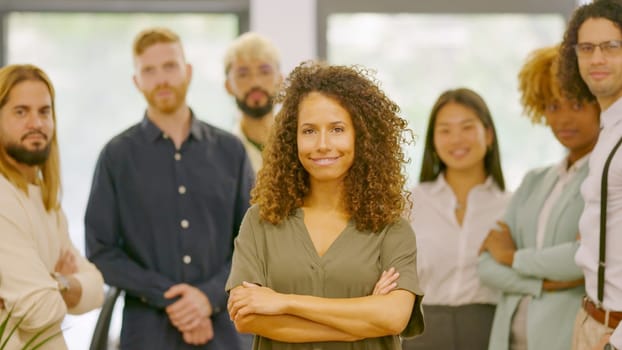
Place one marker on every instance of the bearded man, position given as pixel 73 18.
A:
pixel 42 275
pixel 167 199
pixel 252 69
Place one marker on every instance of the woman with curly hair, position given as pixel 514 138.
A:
pixel 459 198
pixel 530 257
pixel 324 258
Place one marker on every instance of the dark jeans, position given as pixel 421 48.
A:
pixel 465 327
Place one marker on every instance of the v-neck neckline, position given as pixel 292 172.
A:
pixel 308 242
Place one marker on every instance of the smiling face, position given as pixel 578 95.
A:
pixel 460 138
pixel 27 123
pixel 602 72
pixel 325 138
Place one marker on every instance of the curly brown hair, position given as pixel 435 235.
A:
pixel 569 68
pixel 374 188
pixel 539 85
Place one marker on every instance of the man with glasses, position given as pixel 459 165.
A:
pixel 591 64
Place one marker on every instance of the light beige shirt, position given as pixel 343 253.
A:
pixel 589 226
pixel 448 252
pixel 254 154
pixel 32 239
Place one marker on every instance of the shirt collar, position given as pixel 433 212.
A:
pixel 153 133
pixel 440 184
pixel 612 115
pixel 562 167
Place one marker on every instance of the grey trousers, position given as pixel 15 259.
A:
pixel 465 327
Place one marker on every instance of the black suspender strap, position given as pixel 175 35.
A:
pixel 603 224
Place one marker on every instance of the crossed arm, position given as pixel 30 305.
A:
pixel 300 318
pixel 500 244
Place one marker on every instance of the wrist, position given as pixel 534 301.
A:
pixel 62 281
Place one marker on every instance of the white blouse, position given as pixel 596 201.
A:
pixel 447 253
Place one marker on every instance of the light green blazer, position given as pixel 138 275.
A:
pixel 551 315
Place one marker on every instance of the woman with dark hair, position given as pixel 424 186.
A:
pixel 530 257
pixel 459 198
pixel 327 224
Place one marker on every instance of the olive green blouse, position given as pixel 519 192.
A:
pixel 283 258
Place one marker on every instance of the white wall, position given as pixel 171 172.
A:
pixel 290 24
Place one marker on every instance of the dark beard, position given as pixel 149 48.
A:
pixel 24 156
pixel 256 112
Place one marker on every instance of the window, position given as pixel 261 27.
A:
pixel 418 56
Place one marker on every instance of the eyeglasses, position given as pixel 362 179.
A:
pixel 607 48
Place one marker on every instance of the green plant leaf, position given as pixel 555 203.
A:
pixel 12 329
pixel 30 342
pixel 4 323
pixel 37 335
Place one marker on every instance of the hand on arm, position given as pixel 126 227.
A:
pixel 295 329
pixel 201 334
pixel 64 268
pixel 551 286
pixel 365 317
pixel 500 245
pixel 387 282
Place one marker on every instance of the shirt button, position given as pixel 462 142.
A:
pixel 177 156
pixel 185 223
pixel 187 259
pixel 182 189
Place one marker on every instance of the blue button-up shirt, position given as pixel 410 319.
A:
pixel 159 216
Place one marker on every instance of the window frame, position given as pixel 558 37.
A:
pixel 239 8
pixel 326 8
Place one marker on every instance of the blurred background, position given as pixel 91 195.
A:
pixel 417 48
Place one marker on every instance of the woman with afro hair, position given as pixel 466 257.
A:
pixel 324 259
pixel 530 257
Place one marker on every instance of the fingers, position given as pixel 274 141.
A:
pixel 66 263
pixel 186 324
pixel 201 334
pixel 180 306
pixel 176 290
pixel 387 282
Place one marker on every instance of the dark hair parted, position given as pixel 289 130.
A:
pixel 432 165
pixel 568 73
pixel 374 188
